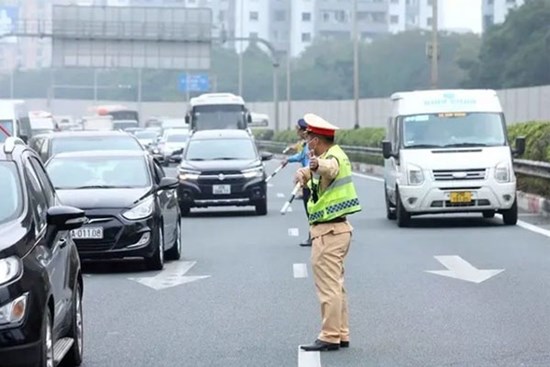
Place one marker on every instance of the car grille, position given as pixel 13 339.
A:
pixel 220 177
pixel 460 174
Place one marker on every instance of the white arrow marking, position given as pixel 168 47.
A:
pixel 289 209
pixel 269 185
pixel 280 195
pixel 172 275
pixel 459 268
pixel 299 270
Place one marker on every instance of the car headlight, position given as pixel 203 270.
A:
pixel 13 312
pixel 185 174
pixel 502 172
pixel 156 151
pixel 10 268
pixel 142 210
pixel 253 172
pixel 415 175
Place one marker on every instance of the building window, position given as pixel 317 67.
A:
pixel 429 21
pixel 221 16
pixel 280 16
pixel 395 1
pixel 254 16
pixel 340 16
pixel 306 37
pixel 306 17
pixel 253 35
pixel 430 2
pixel 394 19
pixel 326 16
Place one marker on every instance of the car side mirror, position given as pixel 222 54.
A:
pixel 65 218
pixel 249 118
pixel 168 183
pixel 520 146
pixel 387 149
pixel 266 156
pixel 187 119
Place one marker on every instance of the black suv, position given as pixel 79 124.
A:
pixel 40 278
pixel 222 168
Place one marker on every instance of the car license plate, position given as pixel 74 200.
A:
pixel 87 233
pixel 221 189
pixel 461 197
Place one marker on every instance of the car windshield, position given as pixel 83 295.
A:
pixel 444 130
pixel 98 172
pixel 10 189
pixel 146 134
pixel 220 149
pixel 84 143
pixel 219 117
pixel 6 129
pixel 122 125
pixel 177 138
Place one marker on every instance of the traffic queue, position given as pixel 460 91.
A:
pixel 104 194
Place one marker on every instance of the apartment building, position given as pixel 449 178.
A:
pixel 293 25
pixel 495 11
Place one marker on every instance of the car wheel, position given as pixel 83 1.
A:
pixel 74 356
pixel 390 210
pixel 510 216
pixel 261 207
pixel 402 216
pixel 184 210
pixel 156 262
pixel 174 253
pixel 488 214
pixel 47 357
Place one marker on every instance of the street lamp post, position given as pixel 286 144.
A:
pixel 355 66
pixel 435 45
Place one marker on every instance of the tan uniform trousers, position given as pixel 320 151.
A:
pixel 330 246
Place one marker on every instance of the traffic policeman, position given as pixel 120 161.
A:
pixel 333 198
pixel 302 157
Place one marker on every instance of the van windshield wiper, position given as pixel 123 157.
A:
pixel 423 146
pixel 196 159
pixel 224 159
pixel 465 145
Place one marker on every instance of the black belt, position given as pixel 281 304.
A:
pixel 335 220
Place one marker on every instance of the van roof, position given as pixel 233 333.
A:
pixel 216 98
pixel 446 100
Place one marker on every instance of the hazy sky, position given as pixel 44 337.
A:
pixel 462 14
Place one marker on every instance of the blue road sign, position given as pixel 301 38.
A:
pixel 194 83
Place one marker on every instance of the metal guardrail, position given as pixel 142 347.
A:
pixel 523 166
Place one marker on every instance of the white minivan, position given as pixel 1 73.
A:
pixel 447 151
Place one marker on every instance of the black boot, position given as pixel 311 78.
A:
pixel 320 346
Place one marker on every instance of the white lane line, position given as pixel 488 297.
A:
pixel 299 270
pixel 522 224
pixel 280 195
pixel 368 177
pixel 269 184
pixel 308 359
pixel 294 232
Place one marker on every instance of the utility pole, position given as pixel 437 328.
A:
pixel 435 45
pixel 95 85
pixel 139 91
pixel 12 84
pixel 288 69
pixel 241 23
pixel 355 65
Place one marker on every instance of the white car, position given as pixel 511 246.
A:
pixel 171 145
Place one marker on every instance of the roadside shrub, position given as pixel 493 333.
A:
pixel 537 136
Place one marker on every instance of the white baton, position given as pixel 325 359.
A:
pixel 292 196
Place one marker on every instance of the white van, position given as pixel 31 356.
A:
pixel 447 151
pixel 218 111
pixel 14 120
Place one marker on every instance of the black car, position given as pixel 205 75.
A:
pixel 222 168
pixel 131 205
pixel 40 278
pixel 48 145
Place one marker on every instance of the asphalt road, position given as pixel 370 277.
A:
pixel 256 303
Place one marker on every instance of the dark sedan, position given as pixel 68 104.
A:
pixel 132 207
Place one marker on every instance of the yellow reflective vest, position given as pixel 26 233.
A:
pixel 339 198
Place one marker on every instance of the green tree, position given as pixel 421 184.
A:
pixel 515 53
